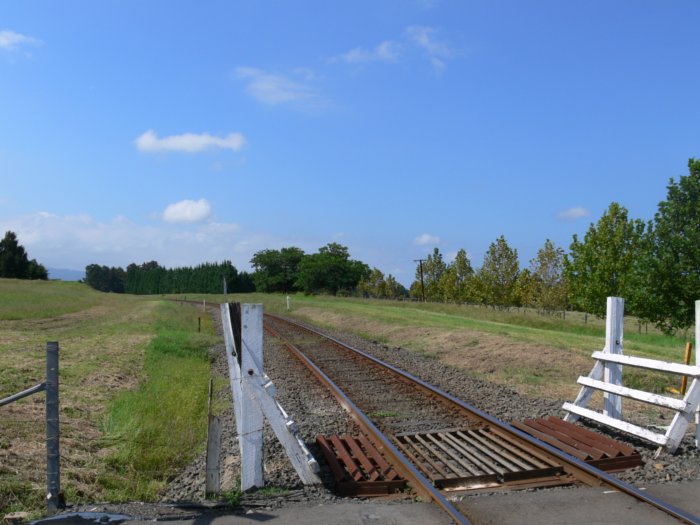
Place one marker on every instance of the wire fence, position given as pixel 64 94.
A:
pixel 31 427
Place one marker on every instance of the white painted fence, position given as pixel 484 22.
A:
pixel 253 397
pixel 606 376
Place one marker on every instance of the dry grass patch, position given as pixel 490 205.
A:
pixel 546 372
pixel 101 353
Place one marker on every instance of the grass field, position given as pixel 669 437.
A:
pixel 538 355
pixel 120 356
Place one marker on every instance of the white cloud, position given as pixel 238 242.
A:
pixel 426 239
pixel 188 142
pixel 573 214
pixel 274 89
pixel 187 211
pixel 387 51
pixel 11 41
pixel 424 37
pixel 76 241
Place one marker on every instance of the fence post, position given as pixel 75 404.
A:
pixel 612 373
pixel 212 484
pixel 251 432
pixel 53 457
pixel 697 363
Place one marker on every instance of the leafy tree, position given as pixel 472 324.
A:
pixel 105 279
pixel 498 275
pixel 526 288
pixel 668 273
pixel 377 285
pixel 602 265
pixel 277 270
pixel 434 268
pixel 394 289
pixel 549 290
pixel 456 282
pixel 373 285
pixel 14 262
pixel 330 271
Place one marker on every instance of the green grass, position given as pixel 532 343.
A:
pixel 115 350
pixel 424 327
pixel 571 333
pixel 157 428
pixel 22 299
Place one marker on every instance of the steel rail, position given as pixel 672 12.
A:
pixel 579 469
pixel 418 482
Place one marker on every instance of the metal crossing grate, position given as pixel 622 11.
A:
pixel 485 458
pixel 358 468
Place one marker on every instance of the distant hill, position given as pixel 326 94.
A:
pixel 66 275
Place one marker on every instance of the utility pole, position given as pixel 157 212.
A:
pixel 422 284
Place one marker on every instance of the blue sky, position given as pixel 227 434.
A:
pixel 186 132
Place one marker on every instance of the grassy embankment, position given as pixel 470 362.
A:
pixel 534 354
pixel 133 381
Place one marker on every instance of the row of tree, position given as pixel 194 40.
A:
pixel 152 278
pixel 15 263
pixel 499 282
pixel 655 266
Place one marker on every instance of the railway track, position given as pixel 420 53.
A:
pixel 438 443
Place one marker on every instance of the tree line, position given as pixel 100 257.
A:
pixel 654 265
pixel 15 263
pixel 152 278
pixel 329 271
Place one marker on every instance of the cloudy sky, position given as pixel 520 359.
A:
pixel 200 131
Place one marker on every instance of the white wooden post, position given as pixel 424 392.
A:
pixel 289 303
pixel 251 431
pixel 231 357
pixel 612 373
pixel 697 363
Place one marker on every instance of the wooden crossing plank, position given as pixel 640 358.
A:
pixel 638 395
pixel 642 432
pixel 651 364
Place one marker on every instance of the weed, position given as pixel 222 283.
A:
pixel 655 382
pixel 156 429
pixel 232 497
pixel 272 491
